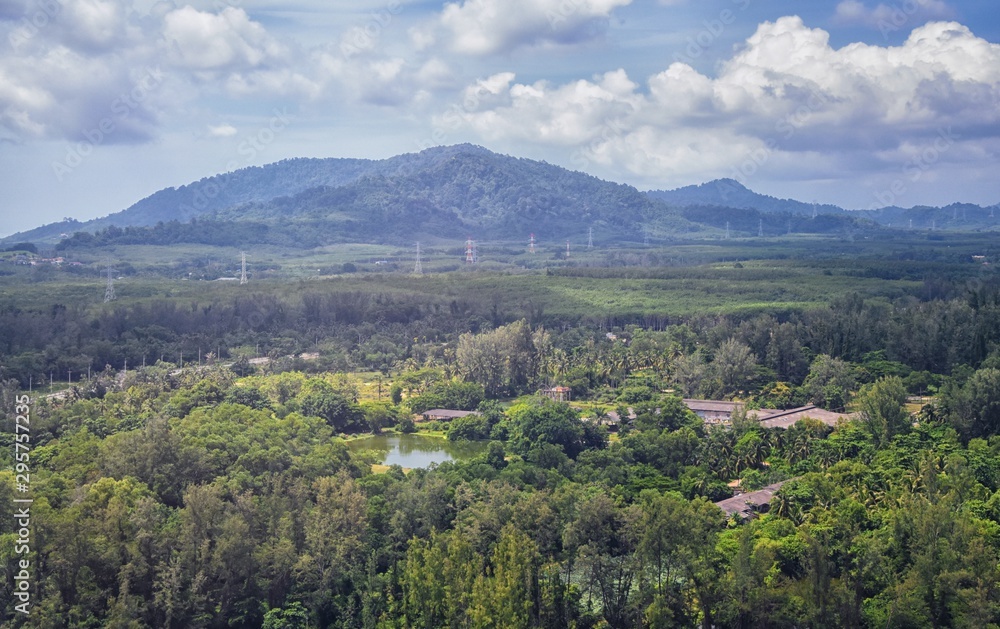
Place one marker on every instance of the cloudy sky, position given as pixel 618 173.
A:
pixel 859 102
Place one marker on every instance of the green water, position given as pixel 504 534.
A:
pixel 416 451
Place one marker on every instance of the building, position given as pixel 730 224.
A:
pixel 558 394
pixel 751 503
pixel 444 414
pixel 787 419
pixel 721 412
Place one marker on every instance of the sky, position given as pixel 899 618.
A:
pixel 859 103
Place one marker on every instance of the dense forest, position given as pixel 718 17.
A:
pixel 196 471
pixel 196 462
pixel 200 498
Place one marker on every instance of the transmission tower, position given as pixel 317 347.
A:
pixel 567 248
pixel 590 239
pixel 760 227
pixel 471 251
pixel 727 230
pixel 531 243
pixel 418 267
pixel 243 267
pixel 645 236
pixel 109 291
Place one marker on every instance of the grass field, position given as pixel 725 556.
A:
pixel 676 280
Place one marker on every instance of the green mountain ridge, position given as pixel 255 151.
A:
pixel 451 192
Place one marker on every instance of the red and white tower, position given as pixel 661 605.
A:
pixel 531 244
pixel 470 251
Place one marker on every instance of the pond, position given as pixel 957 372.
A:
pixel 413 451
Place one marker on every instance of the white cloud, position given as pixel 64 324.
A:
pixel 224 130
pixel 483 27
pixel 783 100
pixel 218 41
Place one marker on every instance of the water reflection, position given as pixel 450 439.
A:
pixel 415 451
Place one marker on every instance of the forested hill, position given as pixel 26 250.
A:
pixel 731 193
pixel 453 191
pixel 489 194
pixel 444 191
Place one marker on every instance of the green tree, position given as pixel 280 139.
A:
pixel 882 409
pixel 830 382
pixel 974 408
pixel 505 361
pixel 338 411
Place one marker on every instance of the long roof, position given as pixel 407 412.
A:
pixel 787 419
pixel 745 504
pixel 446 413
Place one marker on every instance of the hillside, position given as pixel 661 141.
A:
pixel 450 192
pixel 444 192
pixel 733 194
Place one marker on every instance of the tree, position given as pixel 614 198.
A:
pixel 504 361
pixel 338 411
pixel 291 616
pixel 542 421
pixel 830 382
pixel 379 415
pixel 733 367
pixel 503 598
pixel 974 408
pixel 882 409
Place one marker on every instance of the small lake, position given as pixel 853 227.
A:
pixel 417 451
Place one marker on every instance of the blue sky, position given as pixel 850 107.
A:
pixel 856 102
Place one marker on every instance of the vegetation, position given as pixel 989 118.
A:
pixel 191 468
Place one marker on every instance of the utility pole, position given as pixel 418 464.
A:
pixel 727 230
pixel 590 239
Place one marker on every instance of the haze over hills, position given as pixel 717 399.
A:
pixel 450 191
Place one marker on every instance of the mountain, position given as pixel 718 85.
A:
pixel 733 194
pixel 446 192
pixel 247 185
pixel 449 192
